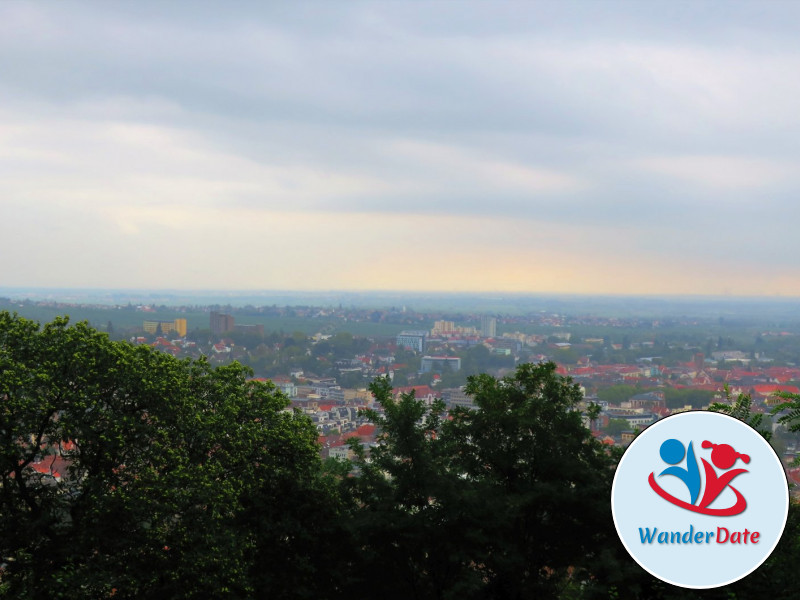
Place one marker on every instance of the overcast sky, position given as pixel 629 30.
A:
pixel 590 147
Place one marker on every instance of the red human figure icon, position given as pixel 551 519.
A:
pixel 724 457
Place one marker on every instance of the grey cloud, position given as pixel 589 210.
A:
pixel 422 80
pixel 582 90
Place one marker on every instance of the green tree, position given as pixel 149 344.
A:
pixel 616 426
pixel 497 502
pixel 677 398
pixel 410 541
pixel 788 411
pixel 126 472
pixel 742 408
pixel 534 463
pixel 615 394
pixel 773 579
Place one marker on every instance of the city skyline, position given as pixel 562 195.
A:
pixel 529 147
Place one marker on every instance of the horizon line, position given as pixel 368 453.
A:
pixel 322 291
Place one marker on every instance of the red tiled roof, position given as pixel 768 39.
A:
pixel 366 430
pixel 419 390
pixel 794 475
pixel 583 371
pixel 54 465
pixel 772 388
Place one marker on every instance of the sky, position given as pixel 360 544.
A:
pixel 571 147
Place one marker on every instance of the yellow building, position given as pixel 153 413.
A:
pixel 443 328
pixel 362 395
pixel 151 326
pixel 450 329
pixel 178 326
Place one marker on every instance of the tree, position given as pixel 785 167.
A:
pixel 773 579
pixel 540 468
pixel 616 426
pixel 742 408
pixel 677 398
pixel 126 472
pixel 498 502
pixel 410 541
pixel 616 394
pixel 789 411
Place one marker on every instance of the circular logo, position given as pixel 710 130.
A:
pixel 700 499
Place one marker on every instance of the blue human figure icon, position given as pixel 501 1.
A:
pixel 672 452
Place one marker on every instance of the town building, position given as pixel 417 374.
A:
pixel 443 328
pixel 488 326
pixel 455 397
pixel 220 323
pixel 412 340
pixel 440 363
pixel 165 327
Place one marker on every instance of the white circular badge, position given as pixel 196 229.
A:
pixel 700 499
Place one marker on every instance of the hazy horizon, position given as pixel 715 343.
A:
pixel 426 301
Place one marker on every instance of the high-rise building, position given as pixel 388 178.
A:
pixel 412 340
pixel 180 327
pixel 488 326
pixel 220 323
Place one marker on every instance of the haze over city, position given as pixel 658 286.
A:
pixel 578 147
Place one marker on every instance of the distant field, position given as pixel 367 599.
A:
pixel 775 309
pixel 741 319
pixel 122 319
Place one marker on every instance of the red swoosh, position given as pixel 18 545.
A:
pixel 737 508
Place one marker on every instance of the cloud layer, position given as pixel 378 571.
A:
pixel 564 146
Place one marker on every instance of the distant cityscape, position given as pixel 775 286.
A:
pixel 637 369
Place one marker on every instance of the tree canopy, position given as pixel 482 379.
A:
pixel 497 502
pixel 125 472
